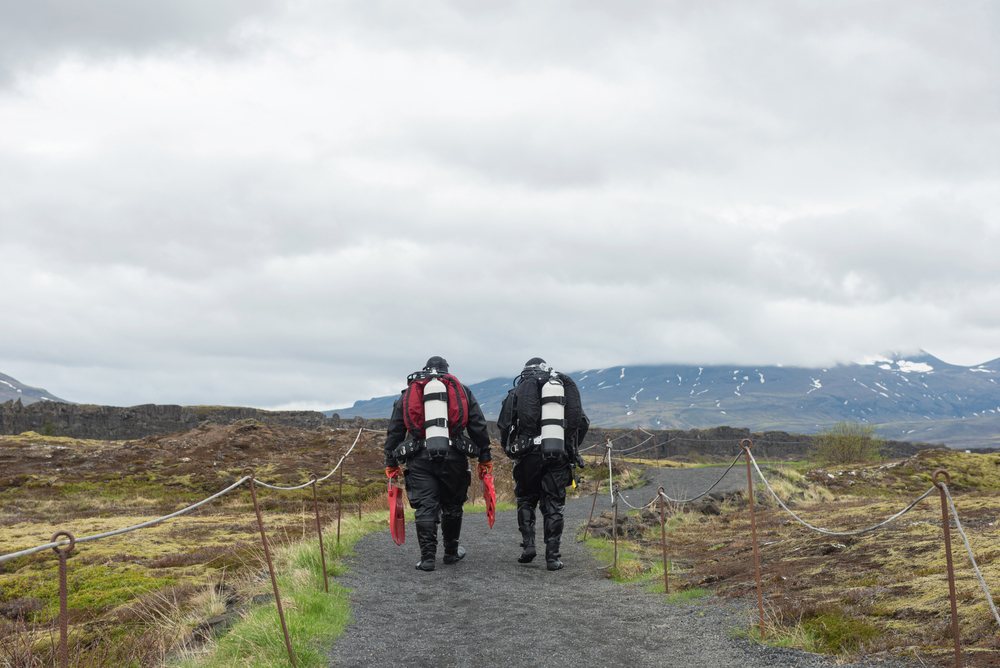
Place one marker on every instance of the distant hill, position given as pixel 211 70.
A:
pixel 13 389
pixel 916 397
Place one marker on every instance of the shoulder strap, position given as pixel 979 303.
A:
pixel 458 403
pixel 413 407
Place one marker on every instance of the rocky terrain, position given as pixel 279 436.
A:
pixel 112 423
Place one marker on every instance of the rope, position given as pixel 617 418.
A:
pixel 698 496
pixel 975 567
pixel 826 531
pixel 625 501
pixel 671 439
pixel 116 532
pixel 635 447
pixel 616 495
pixel 326 477
pixel 48 546
pixel 724 440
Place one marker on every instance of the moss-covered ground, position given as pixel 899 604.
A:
pixel 884 592
pixel 147 594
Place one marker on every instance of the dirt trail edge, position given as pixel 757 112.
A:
pixel 489 610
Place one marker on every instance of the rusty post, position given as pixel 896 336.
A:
pixel 319 530
pixel 340 500
pixel 946 526
pixel 614 523
pixel 597 487
pixel 270 566
pixel 753 527
pixel 63 615
pixel 663 536
pixel 359 485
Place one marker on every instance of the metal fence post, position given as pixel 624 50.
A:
pixel 663 537
pixel 319 530
pixel 63 615
pixel 946 527
pixel 746 444
pixel 248 471
pixel 597 486
pixel 340 499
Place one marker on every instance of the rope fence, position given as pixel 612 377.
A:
pixel 63 542
pixel 746 445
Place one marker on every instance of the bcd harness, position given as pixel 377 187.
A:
pixel 543 410
pixel 435 412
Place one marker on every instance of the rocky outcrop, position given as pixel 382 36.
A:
pixel 721 443
pixel 114 423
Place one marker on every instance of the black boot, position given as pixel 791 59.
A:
pixel 526 524
pixel 451 529
pixel 427 539
pixel 552 555
pixel 553 536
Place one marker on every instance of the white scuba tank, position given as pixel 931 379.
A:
pixel 553 416
pixel 436 418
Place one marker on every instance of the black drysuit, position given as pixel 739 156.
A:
pixel 437 488
pixel 541 481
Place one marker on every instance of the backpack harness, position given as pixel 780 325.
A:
pixel 435 412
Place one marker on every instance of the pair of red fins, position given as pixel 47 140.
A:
pixel 397 522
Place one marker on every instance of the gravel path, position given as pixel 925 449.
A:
pixel 489 610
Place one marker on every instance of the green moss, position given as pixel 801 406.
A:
pixel 689 595
pixel 94 589
pixel 836 633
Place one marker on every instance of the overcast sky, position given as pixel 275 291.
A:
pixel 294 204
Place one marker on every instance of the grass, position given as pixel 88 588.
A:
pixel 689 595
pixel 632 565
pixel 880 593
pixel 313 616
pixel 89 588
pixel 142 594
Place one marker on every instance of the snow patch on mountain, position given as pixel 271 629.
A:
pixel 914 367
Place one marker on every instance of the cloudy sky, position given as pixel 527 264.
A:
pixel 294 204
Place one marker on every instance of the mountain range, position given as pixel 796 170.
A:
pixel 914 397
pixel 13 389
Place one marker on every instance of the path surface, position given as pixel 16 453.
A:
pixel 488 610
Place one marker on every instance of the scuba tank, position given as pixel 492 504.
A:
pixel 553 412
pixel 436 418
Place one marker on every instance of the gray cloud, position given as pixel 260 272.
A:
pixel 296 204
pixel 38 34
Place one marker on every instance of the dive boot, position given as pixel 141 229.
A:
pixel 552 561
pixel 451 529
pixel 528 553
pixel 526 523
pixel 427 538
